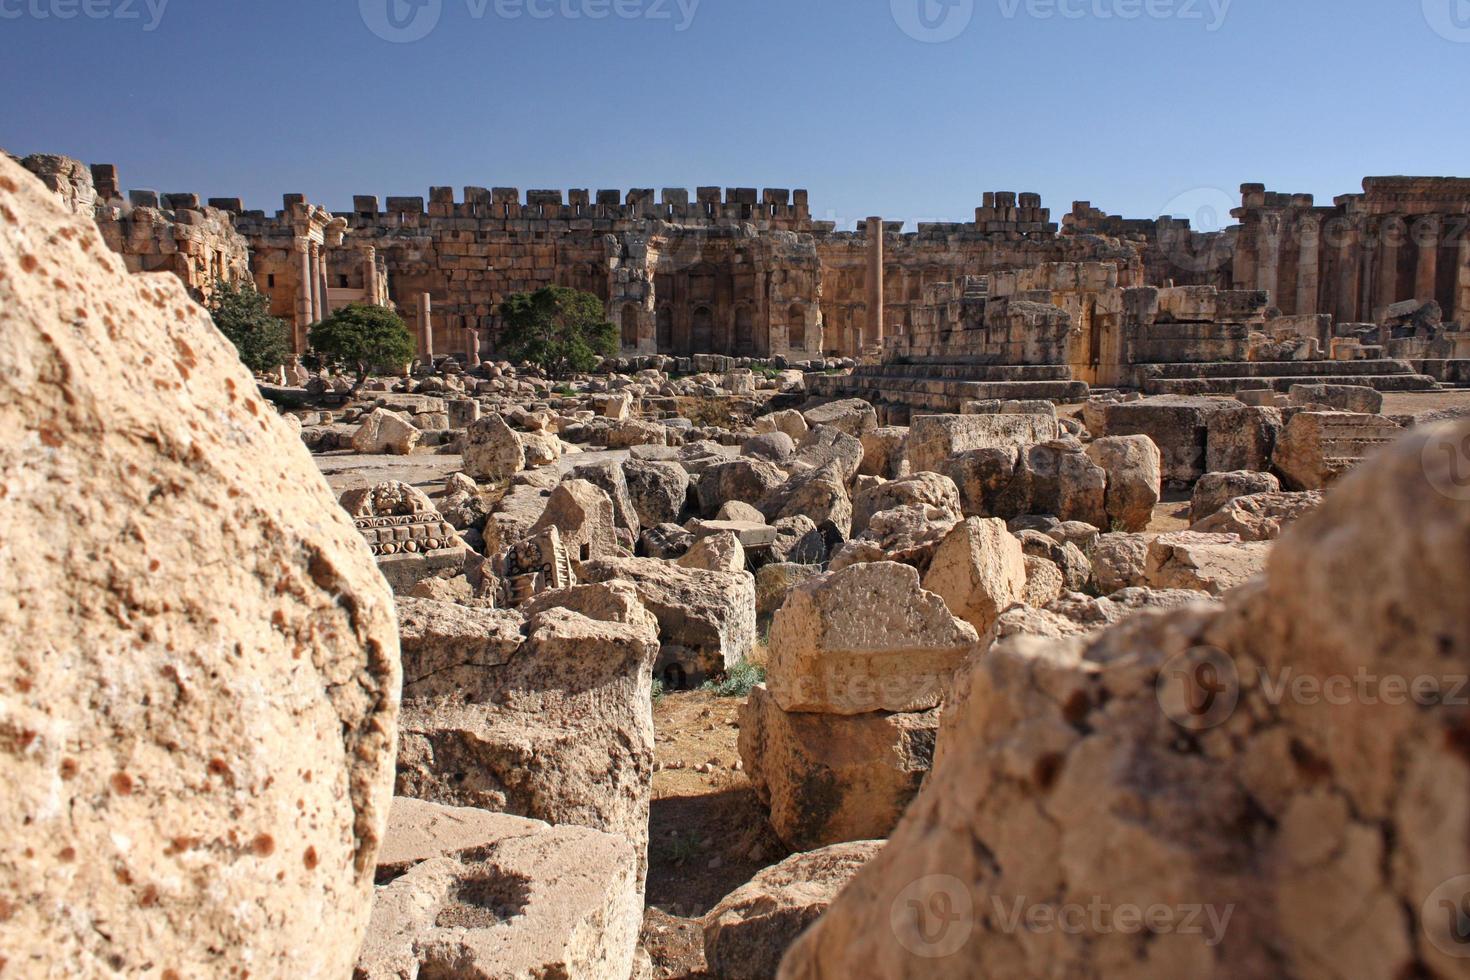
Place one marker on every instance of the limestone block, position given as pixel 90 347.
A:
pixel 819 494
pixel 493 451
pixel 1135 479
pixel 788 421
pixel 1242 438
pixel 386 433
pixel 199 685
pixel 1178 426
pixel 471 893
pixel 1120 561
pixel 584 516
pixel 885 452
pixel 659 490
pixel 931 489
pixel 866 638
pixel 1045 582
pixel 557 728
pixel 935 438
pixel 1215 490
pixel 1261 516
pixel 611 478
pixel 1316 448
pixel 829 779
pixel 979 571
pixel 706 619
pixel 852 416
pixel 746 934
pixel 1341 398
pixel 1213 563
pixel 747 480
pixel 716 553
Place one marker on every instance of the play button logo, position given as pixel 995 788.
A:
pixel 401 21
pixel 1450 19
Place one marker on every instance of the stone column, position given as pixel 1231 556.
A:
pixel 471 348
pixel 1269 257
pixel 1427 231
pixel 1462 284
pixel 1388 265
pixel 1345 309
pixel 1309 264
pixel 875 281
pixel 426 329
pixel 314 274
pixel 370 274
pixel 303 295
pixel 323 266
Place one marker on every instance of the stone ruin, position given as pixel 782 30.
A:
pixel 410 731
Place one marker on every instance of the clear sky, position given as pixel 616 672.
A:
pixel 906 108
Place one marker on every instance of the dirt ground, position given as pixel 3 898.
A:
pixel 708 834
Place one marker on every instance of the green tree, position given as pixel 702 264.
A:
pixel 364 338
pixel 562 331
pixel 243 314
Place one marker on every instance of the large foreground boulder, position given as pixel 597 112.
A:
pixel 1228 820
pixel 199 683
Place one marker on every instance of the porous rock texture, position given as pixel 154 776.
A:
pixel 746 934
pixel 1094 773
pixel 480 896
pixel 199 677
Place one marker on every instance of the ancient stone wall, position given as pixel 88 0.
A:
pixel 750 273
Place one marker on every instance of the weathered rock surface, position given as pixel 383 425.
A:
pixel 706 620
pixel 1319 825
pixel 1212 563
pixel 931 489
pixel 385 432
pixel 865 639
pixel 659 491
pixel 1215 490
pixel 828 779
pixel 482 895
pixel 1135 480
pixel 748 932
pixel 979 571
pixel 1261 516
pixel 198 695
pixel 557 727
pixel 933 439
pixel 493 451
pixel 852 416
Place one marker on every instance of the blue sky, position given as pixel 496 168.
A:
pixel 1141 106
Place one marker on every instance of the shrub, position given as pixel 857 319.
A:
pixel 364 339
pixel 243 314
pixel 562 331
pixel 738 681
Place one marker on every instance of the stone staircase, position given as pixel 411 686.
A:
pixel 1228 377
